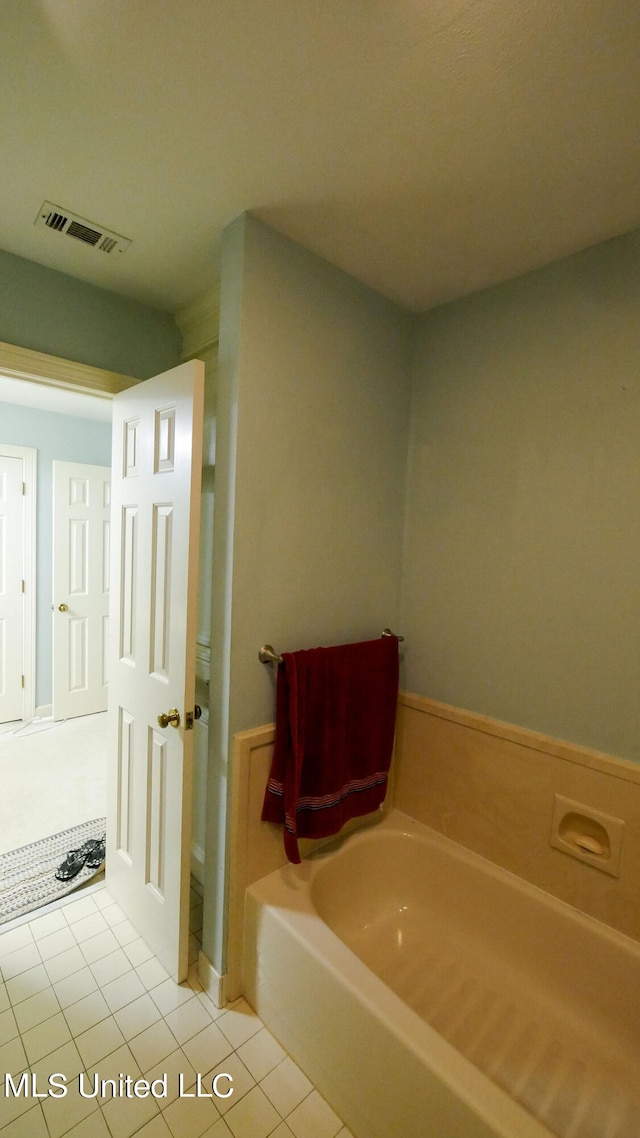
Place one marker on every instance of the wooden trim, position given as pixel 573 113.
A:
pixel 29 457
pixel 52 371
pixel 243 744
pixel 198 322
pixel 534 740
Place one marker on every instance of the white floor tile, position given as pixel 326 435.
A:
pixel 253 1116
pixel 81 908
pixel 206 1049
pixel 87 1012
pixel 137 1016
pixel 15 939
pixel 99 1041
pixel 239 1024
pixel 187 1020
pixel 137 951
pixel 35 1009
pixel 92 1127
pixel 190 1117
pixel 75 987
pixel 48 923
pixel 64 1113
pixel 157 1128
pixel 28 1125
pixel 314 1118
pixel 63 965
pixel 152 973
pixel 20 960
pixel 173 1066
pixel 261 1054
pixel 286 1087
pixel 98 946
pixel 168 995
pixel 119 1062
pixel 65 1059
pixel 55 943
pixel 239 1083
pixel 218 1130
pixel 46 1037
pixel 89 926
pixel 27 984
pixel 111 966
pixel 123 990
pixel 126 1115
pixel 153 1045
pixel 8 1025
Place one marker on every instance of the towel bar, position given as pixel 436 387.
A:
pixel 268 655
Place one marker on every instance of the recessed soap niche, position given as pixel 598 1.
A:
pixel 587 834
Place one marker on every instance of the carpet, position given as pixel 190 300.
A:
pixel 27 875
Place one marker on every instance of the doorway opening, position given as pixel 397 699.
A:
pixel 55 449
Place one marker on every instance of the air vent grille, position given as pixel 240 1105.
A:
pixel 72 225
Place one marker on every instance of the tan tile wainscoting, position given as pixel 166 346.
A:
pixel 486 784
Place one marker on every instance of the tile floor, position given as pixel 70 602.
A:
pixel 80 992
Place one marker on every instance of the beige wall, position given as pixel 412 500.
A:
pixel 521 593
pixel 313 404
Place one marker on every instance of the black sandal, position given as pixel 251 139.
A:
pixel 75 860
pixel 97 855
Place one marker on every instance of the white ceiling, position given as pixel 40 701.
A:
pixel 54 399
pixel 428 147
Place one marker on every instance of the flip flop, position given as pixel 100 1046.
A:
pixel 75 860
pixel 97 855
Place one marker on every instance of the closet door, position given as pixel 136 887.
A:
pixel 81 520
pixel 11 588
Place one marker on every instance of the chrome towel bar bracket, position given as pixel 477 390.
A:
pixel 268 655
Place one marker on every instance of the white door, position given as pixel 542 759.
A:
pixel 81 520
pixel 156 476
pixel 11 588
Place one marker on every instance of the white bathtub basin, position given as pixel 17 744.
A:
pixel 428 992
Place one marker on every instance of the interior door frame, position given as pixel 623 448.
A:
pixel 29 457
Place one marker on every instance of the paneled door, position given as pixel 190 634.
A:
pixel 11 588
pixel 81 521
pixel 156 477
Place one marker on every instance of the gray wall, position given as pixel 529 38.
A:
pixel 313 403
pixel 521 591
pixel 54 437
pixel 51 312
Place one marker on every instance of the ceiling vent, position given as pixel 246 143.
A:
pixel 71 225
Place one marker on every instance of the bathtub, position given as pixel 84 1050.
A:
pixel 430 994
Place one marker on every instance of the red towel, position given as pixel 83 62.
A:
pixel 335 722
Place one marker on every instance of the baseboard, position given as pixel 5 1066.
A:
pixel 212 981
pixel 197 864
pixel 45 711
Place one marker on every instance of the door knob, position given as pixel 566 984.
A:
pixel 197 711
pixel 63 607
pixel 172 717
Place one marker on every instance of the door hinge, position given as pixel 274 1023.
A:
pixel 24 588
pixel 22 684
pixel 24 487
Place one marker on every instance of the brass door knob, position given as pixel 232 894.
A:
pixel 63 607
pixel 171 717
